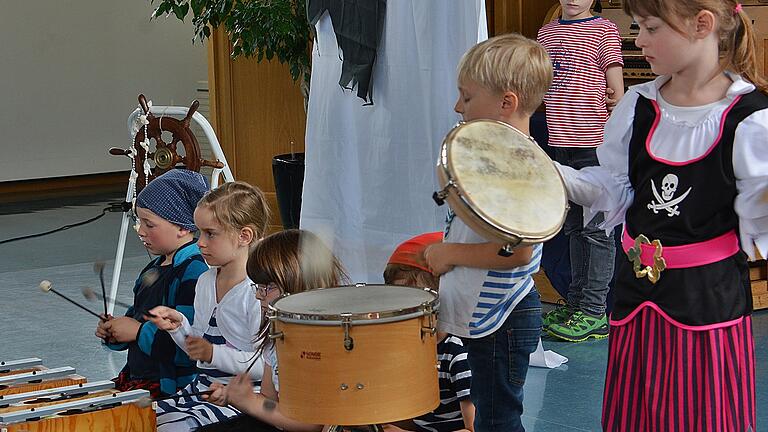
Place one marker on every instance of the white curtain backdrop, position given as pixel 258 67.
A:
pixel 370 170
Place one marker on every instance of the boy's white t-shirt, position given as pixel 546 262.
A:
pixel 475 302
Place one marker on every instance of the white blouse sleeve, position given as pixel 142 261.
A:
pixel 202 308
pixel 750 165
pixel 606 188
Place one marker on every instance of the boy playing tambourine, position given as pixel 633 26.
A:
pixel 489 300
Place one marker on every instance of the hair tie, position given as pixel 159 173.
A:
pixel 737 9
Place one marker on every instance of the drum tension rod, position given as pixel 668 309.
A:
pixel 272 317
pixel 346 322
pixel 430 328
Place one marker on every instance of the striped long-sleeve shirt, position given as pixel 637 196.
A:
pixel 154 355
pixel 581 52
pixel 454 379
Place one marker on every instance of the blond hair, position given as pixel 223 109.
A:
pixel 509 62
pixel 737 43
pixel 238 205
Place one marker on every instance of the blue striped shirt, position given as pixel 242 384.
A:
pixel 475 302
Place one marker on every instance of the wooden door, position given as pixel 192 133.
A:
pixel 520 16
pixel 256 111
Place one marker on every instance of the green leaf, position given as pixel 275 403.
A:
pixel 197 6
pixel 162 9
pixel 179 11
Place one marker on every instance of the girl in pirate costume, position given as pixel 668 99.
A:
pixel 685 166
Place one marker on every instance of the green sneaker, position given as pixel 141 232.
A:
pixel 558 315
pixel 580 327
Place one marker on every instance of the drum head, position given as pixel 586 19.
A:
pixel 372 303
pixel 506 179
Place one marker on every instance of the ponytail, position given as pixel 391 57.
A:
pixel 741 52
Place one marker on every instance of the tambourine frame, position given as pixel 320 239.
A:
pixel 453 192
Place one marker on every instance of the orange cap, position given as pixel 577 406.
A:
pixel 411 252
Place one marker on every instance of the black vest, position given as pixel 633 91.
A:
pixel 680 204
pixel 687 202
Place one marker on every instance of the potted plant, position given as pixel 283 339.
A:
pixel 265 29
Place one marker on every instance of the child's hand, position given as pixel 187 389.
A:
pixel 218 394
pixel 610 103
pixel 165 318
pixel 123 329
pixel 239 390
pixel 199 349
pixel 101 330
pixel 438 258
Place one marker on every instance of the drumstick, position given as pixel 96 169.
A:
pixel 250 366
pixel 181 395
pixel 90 294
pixel 98 267
pixel 147 401
pixel 47 286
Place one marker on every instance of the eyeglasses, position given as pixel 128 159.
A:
pixel 262 290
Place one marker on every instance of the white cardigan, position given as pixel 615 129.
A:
pixel 238 318
pixel 606 187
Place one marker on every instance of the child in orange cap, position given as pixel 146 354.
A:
pixel 407 266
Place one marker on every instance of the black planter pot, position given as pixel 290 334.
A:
pixel 288 171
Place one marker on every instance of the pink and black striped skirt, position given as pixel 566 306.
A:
pixel 665 376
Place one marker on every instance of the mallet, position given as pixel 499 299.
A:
pixel 146 401
pixel 98 268
pixel 47 286
pixel 92 295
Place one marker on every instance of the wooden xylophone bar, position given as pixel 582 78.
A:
pixel 34 398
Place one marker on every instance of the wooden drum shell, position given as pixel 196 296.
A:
pixel 389 375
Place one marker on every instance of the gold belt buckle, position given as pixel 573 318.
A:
pixel 659 264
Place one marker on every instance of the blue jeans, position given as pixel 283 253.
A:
pixel 592 250
pixel 499 364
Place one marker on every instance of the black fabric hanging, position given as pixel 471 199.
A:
pixel 358 26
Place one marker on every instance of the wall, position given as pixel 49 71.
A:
pixel 70 75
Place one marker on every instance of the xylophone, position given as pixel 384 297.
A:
pixel 34 398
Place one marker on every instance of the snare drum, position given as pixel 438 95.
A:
pixel 356 355
pixel 501 183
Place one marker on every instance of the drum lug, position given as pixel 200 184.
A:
pixel 273 333
pixel 439 196
pixel 430 327
pixel 346 322
pixel 508 249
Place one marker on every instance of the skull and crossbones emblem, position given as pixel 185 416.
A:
pixel 666 200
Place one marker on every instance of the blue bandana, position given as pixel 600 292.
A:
pixel 173 196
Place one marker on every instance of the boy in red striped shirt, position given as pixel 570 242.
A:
pixel 586 58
